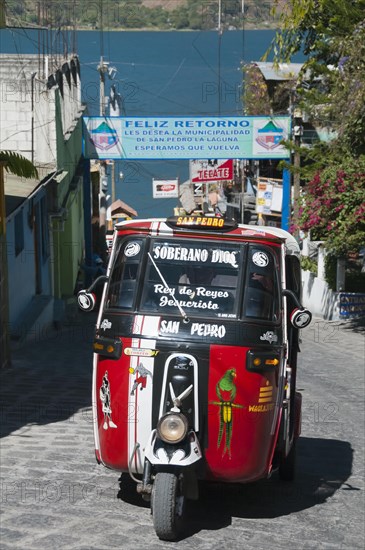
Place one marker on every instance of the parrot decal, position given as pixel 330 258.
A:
pixel 226 392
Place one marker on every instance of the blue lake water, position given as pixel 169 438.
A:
pixel 159 73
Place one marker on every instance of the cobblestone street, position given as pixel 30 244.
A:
pixel 54 495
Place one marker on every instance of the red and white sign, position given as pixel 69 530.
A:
pixel 165 189
pixel 211 170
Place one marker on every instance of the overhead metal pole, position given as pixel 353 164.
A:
pixel 286 206
pixel 219 53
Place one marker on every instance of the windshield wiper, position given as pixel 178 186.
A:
pixel 170 291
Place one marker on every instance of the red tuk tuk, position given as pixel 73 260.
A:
pixel 195 357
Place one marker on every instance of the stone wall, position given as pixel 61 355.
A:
pixel 328 304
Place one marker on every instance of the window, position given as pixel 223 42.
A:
pixel 206 279
pixel 262 291
pixel 201 278
pixel 19 233
pixel 122 289
pixel 293 275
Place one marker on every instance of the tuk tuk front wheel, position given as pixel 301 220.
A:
pixel 287 465
pixel 168 505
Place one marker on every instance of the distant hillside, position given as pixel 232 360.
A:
pixel 140 14
pixel 168 5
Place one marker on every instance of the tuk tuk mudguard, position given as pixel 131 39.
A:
pixel 239 411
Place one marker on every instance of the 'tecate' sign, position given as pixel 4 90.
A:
pixel 211 170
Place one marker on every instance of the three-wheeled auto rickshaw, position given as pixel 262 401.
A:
pixel 195 357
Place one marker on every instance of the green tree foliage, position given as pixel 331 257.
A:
pixel 332 35
pixel 315 26
pixel 133 14
pixel 18 165
pixel 179 18
pixel 261 99
pixel 348 91
pixel 256 98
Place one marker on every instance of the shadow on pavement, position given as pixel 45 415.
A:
pixel 127 492
pixel 50 378
pixel 355 325
pixel 323 467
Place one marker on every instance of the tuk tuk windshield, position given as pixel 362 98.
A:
pixel 200 278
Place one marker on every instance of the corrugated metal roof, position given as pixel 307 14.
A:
pixel 284 71
pixel 17 190
pixel 20 187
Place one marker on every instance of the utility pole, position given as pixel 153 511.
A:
pixel 32 108
pixel 114 110
pixel 297 134
pixel 242 168
pixel 113 182
pixel 2 14
pixel 102 69
pixel 103 178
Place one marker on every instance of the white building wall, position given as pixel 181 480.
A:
pixel 45 127
pixel 319 298
pixel 26 103
pixel 27 109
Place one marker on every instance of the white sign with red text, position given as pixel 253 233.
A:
pixel 165 189
pixel 211 170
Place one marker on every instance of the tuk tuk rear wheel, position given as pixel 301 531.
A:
pixel 287 467
pixel 168 505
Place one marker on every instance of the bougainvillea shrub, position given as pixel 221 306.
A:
pixel 333 207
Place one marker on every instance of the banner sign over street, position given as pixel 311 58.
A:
pixel 145 138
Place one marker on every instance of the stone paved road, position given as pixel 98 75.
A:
pixel 55 496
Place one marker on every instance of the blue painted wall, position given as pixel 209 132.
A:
pixel 23 281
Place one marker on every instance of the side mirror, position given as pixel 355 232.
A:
pixel 86 300
pixel 300 318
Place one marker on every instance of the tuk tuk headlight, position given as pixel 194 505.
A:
pixel 172 427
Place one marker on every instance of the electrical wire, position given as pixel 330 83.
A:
pixel 23 66
pixel 21 131
pixel 172 78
